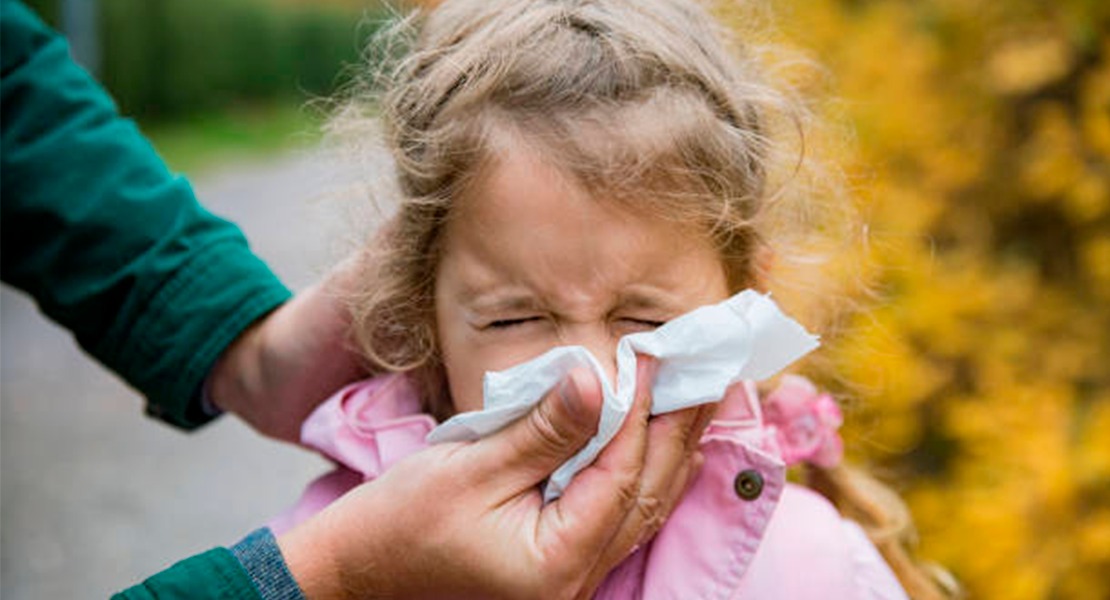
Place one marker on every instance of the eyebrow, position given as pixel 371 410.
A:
pixel 641 300
pixel 494 302
pixel 499 302
pixel 645 300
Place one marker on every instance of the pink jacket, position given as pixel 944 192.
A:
pixel 740 531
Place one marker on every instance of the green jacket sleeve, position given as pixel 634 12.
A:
pixel 214 575
pixel 110 244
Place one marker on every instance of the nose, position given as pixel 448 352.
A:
pixel 596 338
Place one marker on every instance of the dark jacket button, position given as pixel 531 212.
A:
pixel 748 484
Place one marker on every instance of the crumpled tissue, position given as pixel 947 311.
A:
pixel 701 354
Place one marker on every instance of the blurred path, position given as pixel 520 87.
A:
pixel 94 496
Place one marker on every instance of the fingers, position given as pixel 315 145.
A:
pixel 671 462
pixel 623 457
pixel 530 449
pixel 594 506
pixel 620 500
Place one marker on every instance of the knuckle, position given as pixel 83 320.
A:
pixel 545 432
pixel 679 435
pixel 628 496
pixel 652 513
pixel 690 448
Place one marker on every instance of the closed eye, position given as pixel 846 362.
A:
pixel 644 324
pixel 509 323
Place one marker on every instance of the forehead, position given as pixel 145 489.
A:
pixel 525 224
pixel 528 175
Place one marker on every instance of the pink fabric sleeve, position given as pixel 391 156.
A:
pixel 874 578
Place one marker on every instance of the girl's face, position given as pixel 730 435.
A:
pixel 530 261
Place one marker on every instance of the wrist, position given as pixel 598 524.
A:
pixel 256 382
pixel 284 365
pixel 312 562
pixel 235 374
pixel 336 555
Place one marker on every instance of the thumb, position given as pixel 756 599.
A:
pixel 531 448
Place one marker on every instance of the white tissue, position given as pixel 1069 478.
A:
pixel 700 355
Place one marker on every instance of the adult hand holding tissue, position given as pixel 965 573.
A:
pixel 700 355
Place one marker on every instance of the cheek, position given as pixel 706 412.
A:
pixel 461 364
pixel 466 357
pixel 467 360
pixel 464 380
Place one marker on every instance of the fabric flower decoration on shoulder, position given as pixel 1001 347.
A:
pixel 804 423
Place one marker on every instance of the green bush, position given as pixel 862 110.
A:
pixel 175 57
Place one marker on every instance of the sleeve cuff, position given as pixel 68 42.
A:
pixel 194 318
pixel 207 407
pixel 212 575
pixel 261 559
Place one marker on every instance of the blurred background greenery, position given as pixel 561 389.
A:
pixel 212 80
pixel 981 165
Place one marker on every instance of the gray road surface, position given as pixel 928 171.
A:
pixel 93 495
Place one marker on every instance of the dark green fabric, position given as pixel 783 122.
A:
pixel 110 244
pixel 216 574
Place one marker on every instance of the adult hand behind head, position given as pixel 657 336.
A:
pixel 467 520
pixel 290 361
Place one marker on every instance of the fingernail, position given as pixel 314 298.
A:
pixel 571 399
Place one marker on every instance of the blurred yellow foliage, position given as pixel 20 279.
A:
pixel 981 377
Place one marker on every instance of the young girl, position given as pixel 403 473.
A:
pixel 573 171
